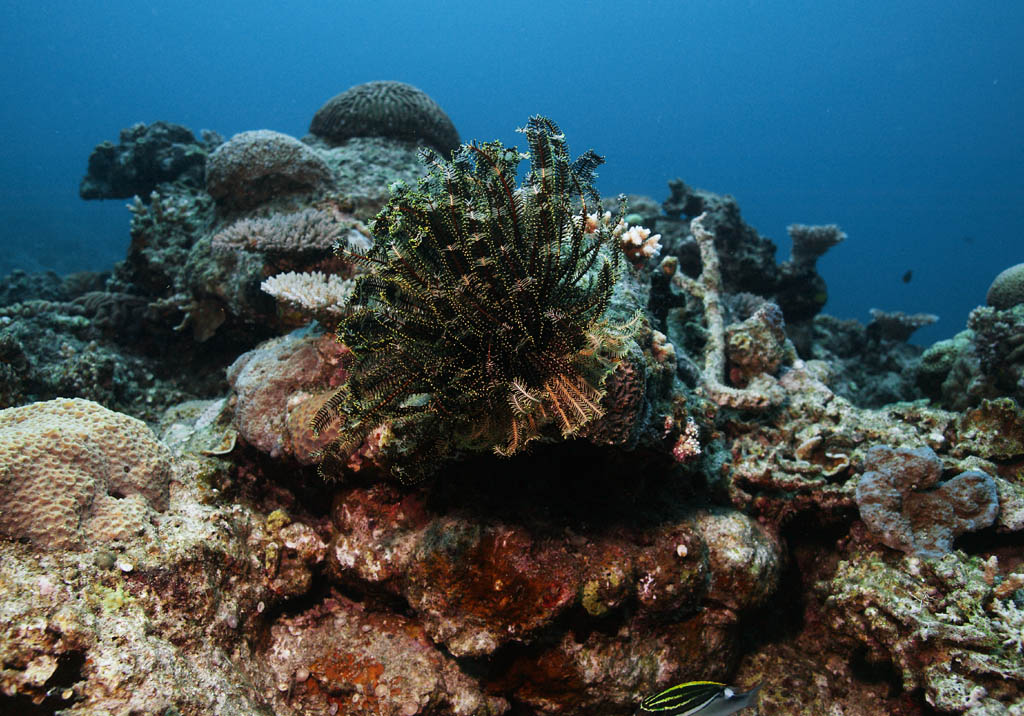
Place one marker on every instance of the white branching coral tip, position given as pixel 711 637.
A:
pixel 313 292
pixel 637 241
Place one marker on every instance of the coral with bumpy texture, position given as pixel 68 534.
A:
pixel 313 232
pixel 145 156
pixel 1007 289
pixel 950 626
pixel 255 166
pixel 898 503
pixel 385 109
pixel 71 471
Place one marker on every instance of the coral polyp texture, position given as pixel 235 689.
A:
pixel 1007 289
pixel 480 315
pixel 254 166
pixel 74 471
pixel 385 109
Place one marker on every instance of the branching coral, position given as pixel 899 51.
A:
pixel 763 391
pixel 479 321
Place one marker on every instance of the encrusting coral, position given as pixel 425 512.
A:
pixel 902 500
pixel 479 321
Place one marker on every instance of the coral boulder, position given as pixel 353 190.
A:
pixel 385 109
pixel 255 166
pixel 73 471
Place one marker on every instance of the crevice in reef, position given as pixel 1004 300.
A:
pixel 574 486
pixel 66 675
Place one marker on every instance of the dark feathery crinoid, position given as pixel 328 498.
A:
pixel 478 323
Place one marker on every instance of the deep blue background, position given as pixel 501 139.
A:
pixel 901 121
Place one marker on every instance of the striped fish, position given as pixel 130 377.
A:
pixel 698 698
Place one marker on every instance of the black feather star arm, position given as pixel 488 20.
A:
pixel 478 323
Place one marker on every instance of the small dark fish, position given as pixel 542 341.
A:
pixel 698 698
pixel 907 276
pixel 967 239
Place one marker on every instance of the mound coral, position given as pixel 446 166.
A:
pixel 71 471
pixel 1007 289
pixel 479 321
pixel 385 109
pixel 255 166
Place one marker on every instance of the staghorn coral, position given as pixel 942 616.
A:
pixel 385 109
pixel 479 322
pixel 761 392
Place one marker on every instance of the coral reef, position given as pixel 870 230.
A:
pixel 951 627
pixel 983 362
pixel 710 480
pixel 385 109
pixel 146 156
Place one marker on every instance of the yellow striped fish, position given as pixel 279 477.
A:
pixel 698 698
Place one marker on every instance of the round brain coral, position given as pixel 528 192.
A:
pixel 385 109
pixel 255 166
pixel 1007 290
pixel 72 471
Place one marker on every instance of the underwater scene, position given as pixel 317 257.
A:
pixel 532 359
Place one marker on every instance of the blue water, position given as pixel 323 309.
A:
pixel 901 121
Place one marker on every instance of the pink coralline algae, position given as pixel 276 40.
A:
pixel 905 504
pixel 275 386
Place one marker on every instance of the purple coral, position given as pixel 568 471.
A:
pixel 905 503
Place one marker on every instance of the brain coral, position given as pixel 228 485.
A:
pixel 1007 290
pixel 255 166
pixel 72 471
pixel 385 109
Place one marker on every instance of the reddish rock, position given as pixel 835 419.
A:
pixel 477 587
pixel 628 609
pixel 339 659
pixel 278 387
